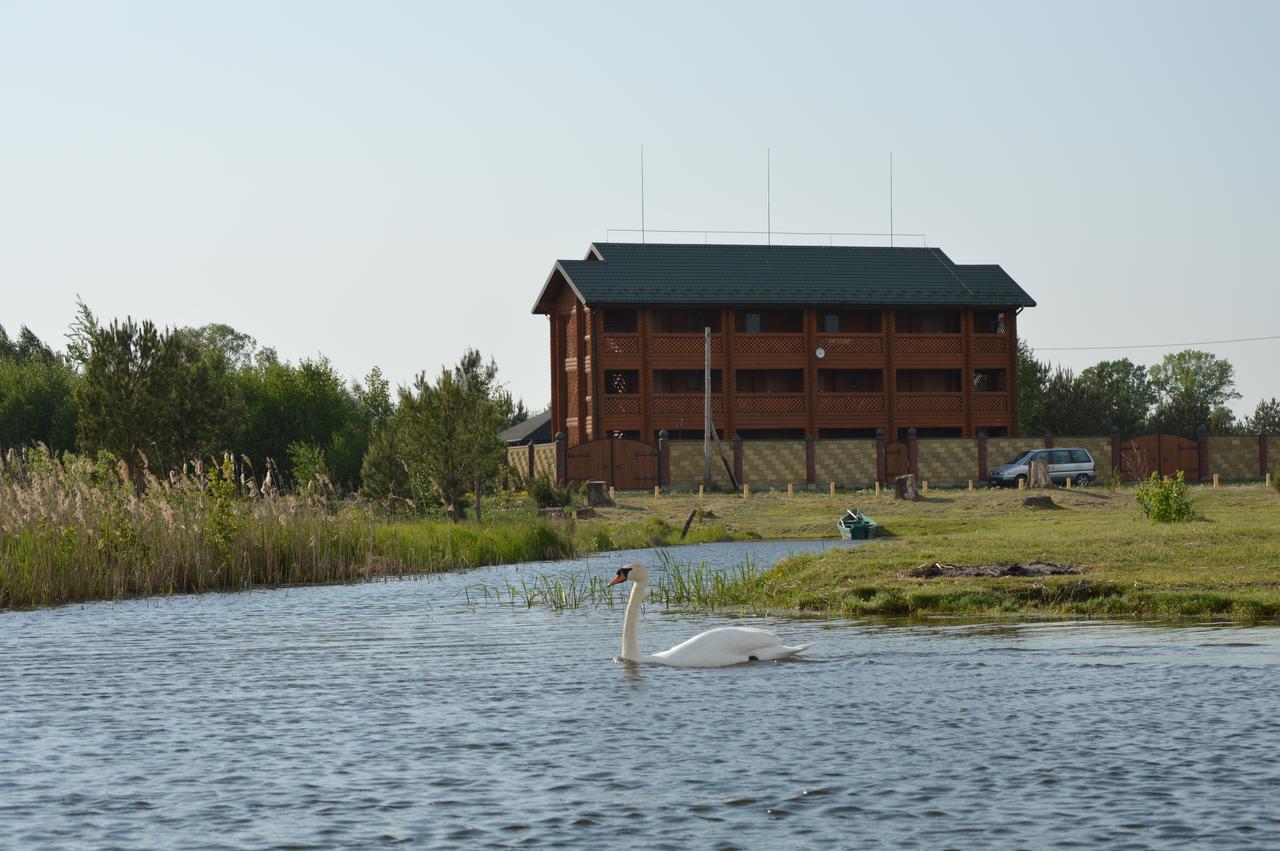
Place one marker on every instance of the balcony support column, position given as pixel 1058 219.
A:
pixel 644 324
pixel 810 372
pixel 966 333
pixel 887 320
pixel 728 378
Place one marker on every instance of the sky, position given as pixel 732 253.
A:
pixel 390 183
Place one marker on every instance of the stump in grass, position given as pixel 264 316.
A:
pixel 1040 502
pixel 1038 475
pixel 904 487
pixel 598 494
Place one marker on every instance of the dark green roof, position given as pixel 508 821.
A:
pixel 629 273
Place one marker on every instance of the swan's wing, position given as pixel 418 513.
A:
pixel 729 645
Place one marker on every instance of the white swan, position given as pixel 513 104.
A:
pixel 715 648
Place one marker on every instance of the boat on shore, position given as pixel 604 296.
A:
pixel 856 526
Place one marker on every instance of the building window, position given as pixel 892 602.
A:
pixel 988 322
pixel 989 380
pixel 935 431
pixel 849 321
pixel 621 382
pixel 927 322
pixel 619 321
pixel 929 380
pixel 771 433
pixel 851 380
pixel 846 433
pixel 683 381
pixel 685 321
pixel 769 321
pixel 769 381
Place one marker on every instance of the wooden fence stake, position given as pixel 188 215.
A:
pixel 657 491
pixel 746 491
pixel 1215 481
pixel 1268 480
pixel 1022 483
pixel 790 490
pixel 971 486
pixel 1068 483
pixel 700 488
pixel 924 487
pixel 833 488
pixel 612 494
pixel 877 488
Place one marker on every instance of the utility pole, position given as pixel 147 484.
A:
pixel 706 408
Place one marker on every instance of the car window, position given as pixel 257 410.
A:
pixel 1061 456
pixel 1022 458
pixel 1079 456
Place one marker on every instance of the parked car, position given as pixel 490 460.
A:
pixel 1074 464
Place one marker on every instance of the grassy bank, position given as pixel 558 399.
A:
pixel 1225 564
pixel 74 530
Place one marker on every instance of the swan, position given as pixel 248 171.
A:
pixel 715 648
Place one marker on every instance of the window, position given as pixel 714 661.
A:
pixel 851 380
pixel 849 321
pixel 769 321
pixel 989 380
pixel 619 321
pixel 621 382
pixel 1079 456
pixel 935 431
pixel 846 433
pixel 928 322
pixel 771 433
pixel 929 380
pixel 682 320
pixel 1060 456
pixel 683 381
pixel 770 381
pixel 988 322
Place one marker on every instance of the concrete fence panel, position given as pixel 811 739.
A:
pixel 848 463
pixel 686 465
pixel 544 460
pixel 775 463
pixel 1234 457
pixel 948 460
pixel 1273 455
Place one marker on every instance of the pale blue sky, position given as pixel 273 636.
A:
pixel 389 183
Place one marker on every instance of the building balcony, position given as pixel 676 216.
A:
pixel 768 344
pixel 769 403
pixel 991 403
pixel 850 403
pixel 990 344
pixel 851 344
pixel 685 404
pixel 620 344
pixel 929 404
pixel 931 345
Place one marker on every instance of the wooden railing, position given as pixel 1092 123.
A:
pixel 928 344
pixel 768 344
pixel 685 403
pixel 683 344
pixel 769 403
pixel 618 403
pixel 620 344
pixel 930 403
pixel 851 344
pixel 990 344
pixel 851 403
pixel 989 402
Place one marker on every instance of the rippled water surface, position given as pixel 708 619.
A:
pixel 394 713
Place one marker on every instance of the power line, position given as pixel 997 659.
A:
pixel 1153 345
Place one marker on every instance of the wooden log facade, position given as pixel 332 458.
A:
pixel 819 342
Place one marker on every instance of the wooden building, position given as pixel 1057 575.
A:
pixel 807 341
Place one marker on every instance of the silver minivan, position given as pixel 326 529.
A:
pixel 1074 464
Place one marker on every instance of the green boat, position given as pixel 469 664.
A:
pixel 856 526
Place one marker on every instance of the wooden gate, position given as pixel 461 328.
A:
pixel 623 464
pixel 895 460
pixel 1165 454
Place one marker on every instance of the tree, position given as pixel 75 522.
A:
pixel 1073 406
pixel 448 431
pixel 153 398
pixel 1126 392
pixel 80 334
pixel 37 404
pixel 1193 389
pixel 1265 419
pixel 1033 376
pixel 240 349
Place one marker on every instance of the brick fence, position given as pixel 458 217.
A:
pixel 860 463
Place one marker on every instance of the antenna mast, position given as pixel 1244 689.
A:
pixel 768 195
pixel 642 194
pixel 891 199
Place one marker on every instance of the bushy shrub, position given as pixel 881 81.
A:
pixel 546 494
pixel 1166 500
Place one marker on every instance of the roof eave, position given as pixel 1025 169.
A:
pixel 544 305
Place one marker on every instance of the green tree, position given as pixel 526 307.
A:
pixel 37 389
pixel 1193 389
pixel 152 397
pixel 1126 392
pixel 1265 418
pixel 241 350
pixel 449 430
pixel 1033 378
pixel 1073 406
pixel 80 335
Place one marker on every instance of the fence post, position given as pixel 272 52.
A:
pixel 810 461
pixel 664 459
pixel 913 453
pixel 529 479
pixel 1263 466
pixel 1115 449
pixel 737 457
pixel 982 456
pixel 562 460
pixel 882 462
pixel 1203 441
pixel 1048 440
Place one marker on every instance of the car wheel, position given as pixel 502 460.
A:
pixel 1082 480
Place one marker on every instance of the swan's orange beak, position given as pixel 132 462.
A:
pixel 617 580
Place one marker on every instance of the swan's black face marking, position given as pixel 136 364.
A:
pixel 621 576
pixel 752 659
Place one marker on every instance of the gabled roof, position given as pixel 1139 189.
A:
pixel 536 428
pixel 629 273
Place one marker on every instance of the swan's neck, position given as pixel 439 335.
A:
pixel 631 624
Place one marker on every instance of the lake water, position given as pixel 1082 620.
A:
pixel 394 713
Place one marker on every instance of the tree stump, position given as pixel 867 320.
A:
pixel 598 494
pixel 1038 475
pixel 904 487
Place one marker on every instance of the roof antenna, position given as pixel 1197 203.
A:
pixel 642 194
pixel 891 199
pixel 768 195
